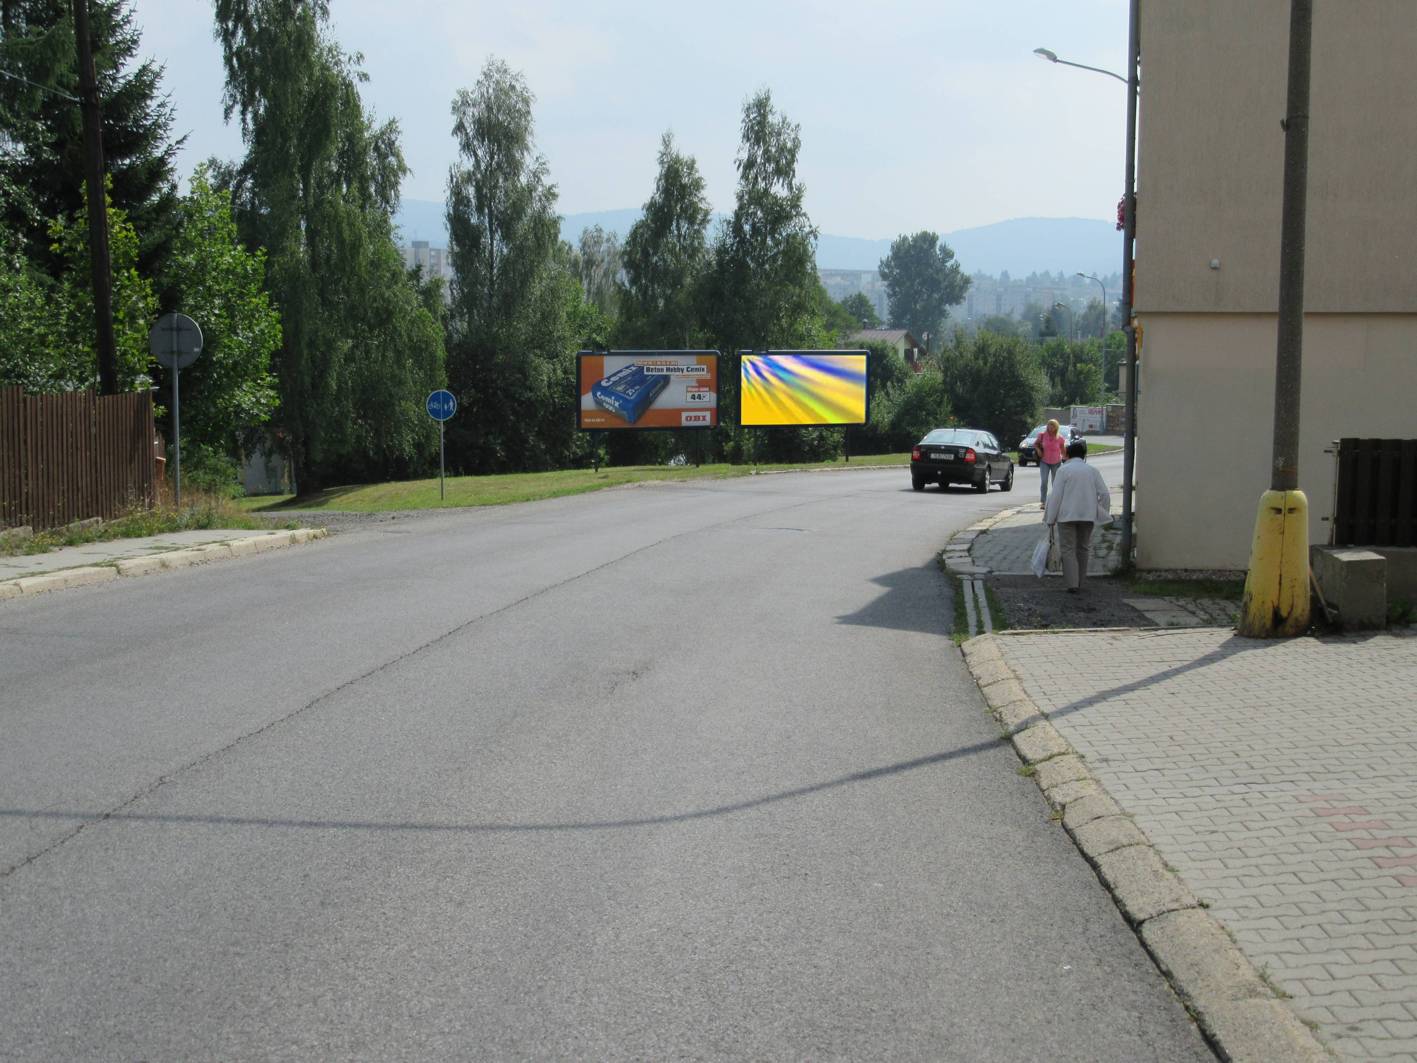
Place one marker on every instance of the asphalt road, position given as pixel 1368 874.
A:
pixel 678 771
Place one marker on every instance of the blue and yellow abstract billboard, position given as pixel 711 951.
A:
pixel 796 388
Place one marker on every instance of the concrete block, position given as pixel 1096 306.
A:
pixel 1089 808
pixel 141 566
pixel 181 558
pixel 1106 835
pixel 1229 999
pixel 1039 743
pixel 1016 715
pixel 10 588
pixel 1353 581
pixel 1401 572
pixel 1004 692
pixel 66 578
pixel 986 671
pixel 1142 886
pixel 981 649
pixel 1064 795
pixel 1060 770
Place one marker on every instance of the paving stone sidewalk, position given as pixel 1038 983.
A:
pixel 1003 546
pixel 1279 779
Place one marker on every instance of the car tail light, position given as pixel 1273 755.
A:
pixel 969 456
pixel 915 454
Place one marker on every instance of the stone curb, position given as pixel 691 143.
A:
pixel 956 552
pixel 143 566
pixel 1238 1012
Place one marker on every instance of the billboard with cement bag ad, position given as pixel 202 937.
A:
pixel 647 389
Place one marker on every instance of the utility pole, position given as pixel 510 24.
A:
pixel 98 205
pixel 1129 238
pixel 1277 585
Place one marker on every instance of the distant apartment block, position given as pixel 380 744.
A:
pixel 1007 296
pixel 840 283
pixel 436 261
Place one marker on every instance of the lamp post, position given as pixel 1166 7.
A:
pixel 1129 232
pixel 1102 331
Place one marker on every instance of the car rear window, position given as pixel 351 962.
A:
pixel 952 435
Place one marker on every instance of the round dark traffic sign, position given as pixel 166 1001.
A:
pixel 175 341
pixel 442 404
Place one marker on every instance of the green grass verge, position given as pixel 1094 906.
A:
pixel 1232 590
pixel 996 609
pixel 198 514
pixel 464 491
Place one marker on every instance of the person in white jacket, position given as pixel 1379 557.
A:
pixel 1078 501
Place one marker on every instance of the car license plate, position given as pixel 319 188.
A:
pixel 944 455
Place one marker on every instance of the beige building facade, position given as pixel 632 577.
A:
pixel 1210 173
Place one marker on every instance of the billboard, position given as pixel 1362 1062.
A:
pixel 783 389
pixel 647 389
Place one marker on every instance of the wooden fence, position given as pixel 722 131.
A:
pixel 75 455
pixel 1376 503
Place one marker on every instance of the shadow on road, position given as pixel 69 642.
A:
pixel 899 768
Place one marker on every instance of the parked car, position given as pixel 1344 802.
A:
pixel 960 456
pixel 1028 445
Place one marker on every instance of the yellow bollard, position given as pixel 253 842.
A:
pixel 1277 586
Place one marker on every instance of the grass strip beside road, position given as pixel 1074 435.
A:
pixel 198 513
pixel 1231 590
pixel 464 491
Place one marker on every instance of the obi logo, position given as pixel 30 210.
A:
pixel 696 418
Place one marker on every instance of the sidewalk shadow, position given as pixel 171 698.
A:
pixel 1234 646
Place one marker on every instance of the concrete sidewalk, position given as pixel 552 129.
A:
pixel 76 566
pixel 1277 779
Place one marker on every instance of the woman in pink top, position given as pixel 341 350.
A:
pixel 1050 455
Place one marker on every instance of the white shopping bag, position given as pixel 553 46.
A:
pixel 1040 556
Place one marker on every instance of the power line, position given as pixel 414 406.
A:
pixel 37 85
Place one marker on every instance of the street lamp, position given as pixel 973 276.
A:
pixel 1052 57
pixel 1101 332
pixel 1129 232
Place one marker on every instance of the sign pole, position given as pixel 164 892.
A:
pixel 177 432
pixel 441 495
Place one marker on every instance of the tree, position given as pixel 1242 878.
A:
pixel 508 308
pixel 762 289
pixel 45 143
pixel 1073 371
pixel 861 310
pixel 922 282
pixel 665 257
pixel 993 382
pixel 134 305
pixel 317 189
pixel 598 265
pixel 217 282
pixel 1000 325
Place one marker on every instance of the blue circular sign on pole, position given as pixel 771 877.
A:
pixel 442 405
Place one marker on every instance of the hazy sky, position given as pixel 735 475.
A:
pixel 914 115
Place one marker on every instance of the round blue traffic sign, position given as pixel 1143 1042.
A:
pixel 441 405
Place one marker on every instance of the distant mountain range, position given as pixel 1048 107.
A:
pixel 1020 245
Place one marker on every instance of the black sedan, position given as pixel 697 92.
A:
pixel 1028 445
pixel 960 456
